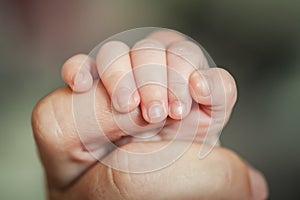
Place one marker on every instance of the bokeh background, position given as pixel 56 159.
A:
pixel 257 41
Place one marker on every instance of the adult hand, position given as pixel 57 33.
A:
pixel 73 173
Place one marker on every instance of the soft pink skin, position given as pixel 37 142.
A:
pixel 160 48
pixel 72 173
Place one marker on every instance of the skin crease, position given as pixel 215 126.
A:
pixel 150 54
pixel 112 72
pixel 72 173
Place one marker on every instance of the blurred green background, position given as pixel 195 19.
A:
pixel 257 41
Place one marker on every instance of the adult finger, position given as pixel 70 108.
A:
pixel 78 72
pixel 221 175
pixel 115 71
pixel 73 130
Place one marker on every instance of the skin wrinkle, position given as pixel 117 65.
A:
pixel 112 74
pixel 76 179
pixel 55 105
pixel 229 92
pixel 100 186
pixel 68 192
pixel 44 139
pixel 102 118
pixel 36 125
pixel 117 177
pixel 66 150
pixel 58 131
pixel 113 182
pixel 227 178
pixel 40 111
pixel 128 176
pixel 97 186
pixel 38 118
pixel 68 141
pixel 231 168
pixel 217 172
pixel 121 181
pixel 131 181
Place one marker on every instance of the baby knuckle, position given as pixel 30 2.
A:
pixel 188 51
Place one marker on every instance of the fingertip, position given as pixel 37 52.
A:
pixel 155 112
pixel 124 100
pixel 78 72
pixel 82 82
pixel 149 64
pixel 178 110
pixel 230 88
pixel 200 88
pixel 67 73
pixel 258 184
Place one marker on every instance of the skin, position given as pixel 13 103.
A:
pixel 73 173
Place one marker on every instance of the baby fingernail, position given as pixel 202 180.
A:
pixel 82 81
pixel 177 108
pixel 79 78
pixel 156 112
pixel 122 98
pixel 204 86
